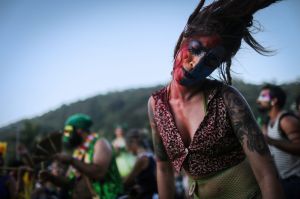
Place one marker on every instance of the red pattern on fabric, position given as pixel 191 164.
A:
pixel 214 146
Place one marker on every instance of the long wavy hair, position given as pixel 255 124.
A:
pixel 232 20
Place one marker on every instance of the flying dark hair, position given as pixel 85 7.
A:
pixel 229 19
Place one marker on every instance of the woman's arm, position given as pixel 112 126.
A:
pixel 164 169
pixel 252 140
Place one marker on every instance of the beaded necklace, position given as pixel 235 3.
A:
pixel 82 153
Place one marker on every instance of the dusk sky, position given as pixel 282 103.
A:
pixel 56 52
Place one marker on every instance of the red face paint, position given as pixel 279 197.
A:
pixel 264 96
pixel 182 54
pixel 209 41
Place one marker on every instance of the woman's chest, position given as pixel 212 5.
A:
pixel 187 118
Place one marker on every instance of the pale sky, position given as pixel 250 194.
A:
pixel 56 52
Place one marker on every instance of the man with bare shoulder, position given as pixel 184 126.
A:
pixel 92 171
pixel 283 137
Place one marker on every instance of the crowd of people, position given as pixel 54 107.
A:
pixel 206 143
pixel 87 167
pixel 126 167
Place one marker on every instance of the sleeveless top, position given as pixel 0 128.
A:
pixel 287 164
pixel 147 177
pixel 111 186
pixel 214 146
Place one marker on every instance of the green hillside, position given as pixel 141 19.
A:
pixel 127 108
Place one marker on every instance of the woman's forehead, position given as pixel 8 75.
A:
pixel 207 41
pixel 265 92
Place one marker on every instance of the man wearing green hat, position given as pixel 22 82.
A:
pixel 92 171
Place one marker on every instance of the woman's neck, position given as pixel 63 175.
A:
pixel 179 92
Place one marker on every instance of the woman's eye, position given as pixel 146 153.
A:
pixel 195 47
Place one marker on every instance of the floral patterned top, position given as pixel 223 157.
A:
pixel 214 146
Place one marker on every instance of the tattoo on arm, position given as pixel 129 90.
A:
pixel 159 148
pixel 158 145
pixel 243 122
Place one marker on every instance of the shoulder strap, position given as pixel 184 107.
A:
pixel 282 133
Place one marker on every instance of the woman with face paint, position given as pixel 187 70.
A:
pixel 205 126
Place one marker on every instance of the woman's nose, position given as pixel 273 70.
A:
pixel 189 62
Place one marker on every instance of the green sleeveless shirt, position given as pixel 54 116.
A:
pixel 111 186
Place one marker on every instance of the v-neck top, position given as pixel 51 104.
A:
pixel 214 146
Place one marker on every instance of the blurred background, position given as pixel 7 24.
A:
pixel 105 58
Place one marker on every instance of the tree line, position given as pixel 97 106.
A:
pixel 126 108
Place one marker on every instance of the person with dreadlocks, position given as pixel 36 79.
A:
pixel 205 126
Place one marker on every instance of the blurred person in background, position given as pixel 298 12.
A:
pixel 92 169
pixel 124 159
pixel 47 190
pixel 141 181
pixel 298 105
pixel 205 126
pixel 283 137
pixel 8 185
pixel 119 143
pixel 22 170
